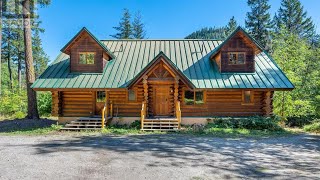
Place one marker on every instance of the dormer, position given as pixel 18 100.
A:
pixel 236 54
pixel 87 53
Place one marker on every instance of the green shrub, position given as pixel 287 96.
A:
pixel 136 124
pixel 44 103
pixel 313 127
pixel 11 103
pixel 299 121
pixel 19 115
pixel 254 123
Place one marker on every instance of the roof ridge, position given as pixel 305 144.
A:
pixel 161 40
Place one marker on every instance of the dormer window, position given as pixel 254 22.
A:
pixel 237 57
pixel 86 58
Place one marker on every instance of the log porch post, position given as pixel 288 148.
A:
pixel 145 91
pixel 268 103
pixel 176 91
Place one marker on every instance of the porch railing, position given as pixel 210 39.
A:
pixel 107 112
pixel 143 113
pixel 178 114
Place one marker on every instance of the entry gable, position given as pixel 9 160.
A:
pixel 161 68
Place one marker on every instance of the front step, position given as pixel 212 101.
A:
pixel 161 124
pixel 85 123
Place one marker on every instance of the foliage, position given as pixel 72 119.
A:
pixel 258 21
pixel 136 124
pixel 44 103
pixel 252 123
pixel 299 121
pixel 300 63
pixel 292 16
pixel 138 31
pixel 215 32
pixel 314 127
pixel 232 25
pixel 13 104
pixel 124 29
pixel 130 30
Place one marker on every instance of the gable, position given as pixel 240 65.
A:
pixel 161 69
pixel 85 35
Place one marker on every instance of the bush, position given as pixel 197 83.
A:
pixel 19 115
pixel 44 103
pixel 313 127
pixel 136 124
pixel 299 121
pixel 11 103
pixel 254 123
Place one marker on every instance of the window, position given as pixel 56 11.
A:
pixel 237 58
pixel 247 97
pixel 132 95
pixel 86 58
pixel 193 97
pixel 101 96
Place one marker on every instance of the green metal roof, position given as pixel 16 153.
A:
pixel 191 57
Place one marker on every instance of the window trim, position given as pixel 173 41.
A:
pixel 136 95
pixel 88 52
pixel 194 97
pixel 251 98
pixel 237 54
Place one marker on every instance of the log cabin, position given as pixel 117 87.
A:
pixel 161 83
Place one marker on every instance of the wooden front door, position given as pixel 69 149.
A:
pixel 161 103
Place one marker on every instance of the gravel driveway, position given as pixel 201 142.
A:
pixel 168 156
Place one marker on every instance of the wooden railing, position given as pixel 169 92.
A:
pixel 106 112
pixel 143 113
pixel 178 113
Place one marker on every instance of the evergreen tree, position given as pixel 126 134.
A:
pixel 258 21
pixel 124 30
pixel 209 33
pixel 292 16
pixel 232 25
pixel 138 31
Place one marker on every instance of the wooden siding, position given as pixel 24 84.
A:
pixel 77 104
pixel 236 44
pixel 225 103
pixel 55 103
pixel 123 107
pixel 87 44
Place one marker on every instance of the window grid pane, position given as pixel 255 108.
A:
pixel 189 97
pixel 131 95
pixel 199 98
pixel 101 96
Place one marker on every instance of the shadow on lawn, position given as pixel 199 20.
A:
pixel 24 124
pixel 255 158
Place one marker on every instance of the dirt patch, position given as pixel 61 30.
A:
pixel 24 124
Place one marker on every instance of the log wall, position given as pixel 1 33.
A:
pixel 217 103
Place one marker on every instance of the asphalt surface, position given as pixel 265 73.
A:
pixel 167 156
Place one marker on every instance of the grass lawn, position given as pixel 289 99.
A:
pixel 48 126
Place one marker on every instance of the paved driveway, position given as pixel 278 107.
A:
pixel 158 157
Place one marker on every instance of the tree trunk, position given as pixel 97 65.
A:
pixel 19 70
pixel 1 46
pixel 9 64
pixel 30 76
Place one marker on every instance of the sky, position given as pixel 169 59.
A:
pixel 164 19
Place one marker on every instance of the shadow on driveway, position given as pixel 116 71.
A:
pixel 289 157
